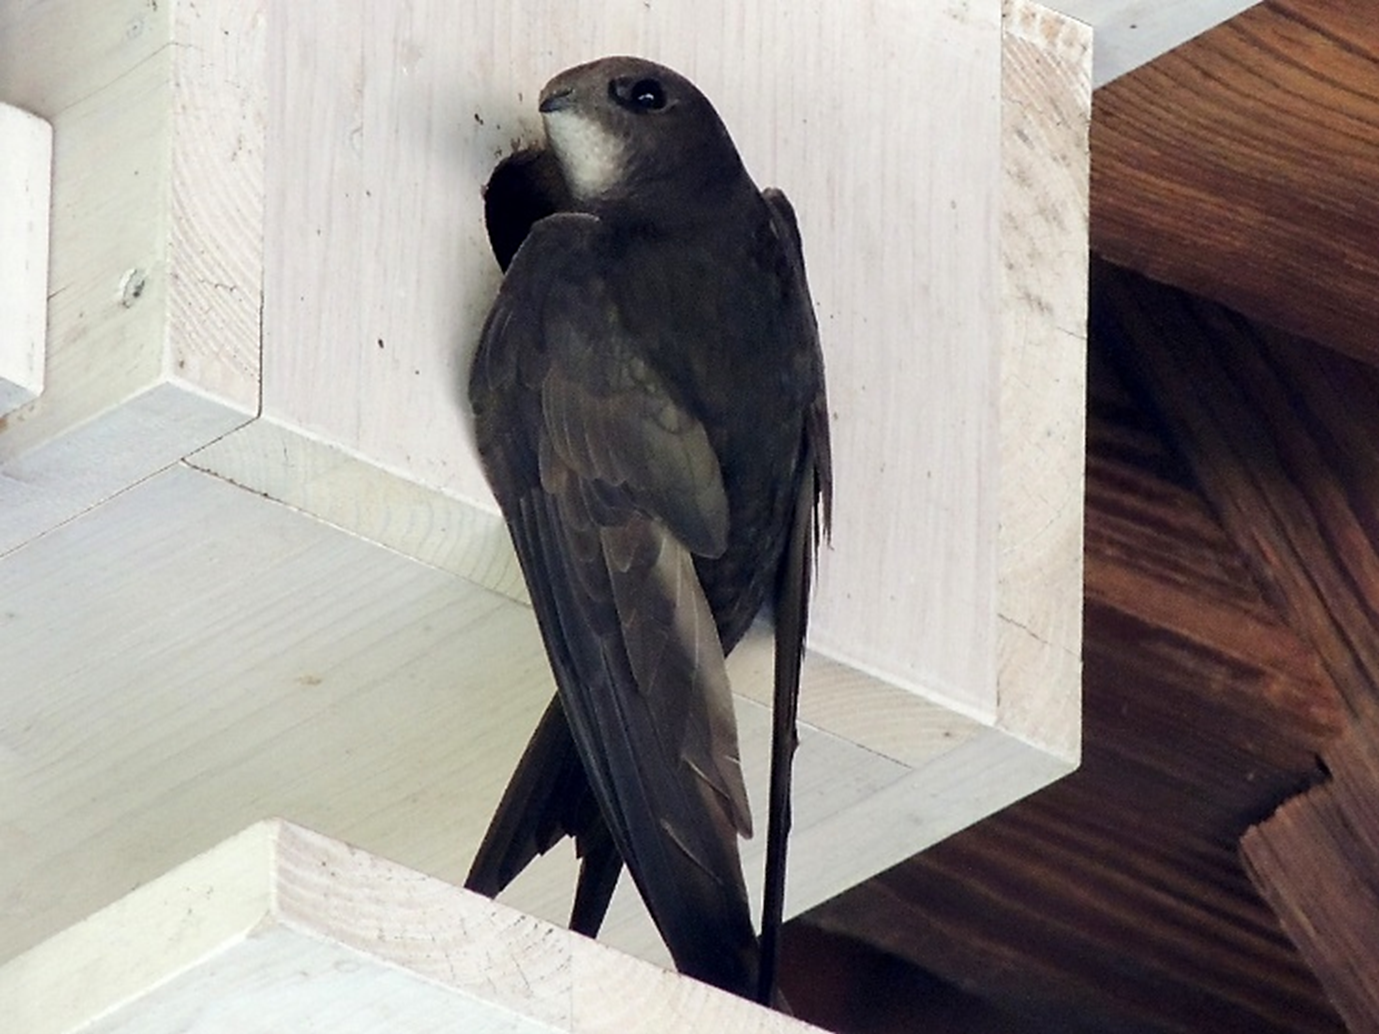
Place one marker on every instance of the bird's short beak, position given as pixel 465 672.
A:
pixel 557 100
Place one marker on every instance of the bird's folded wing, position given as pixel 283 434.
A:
pixel 609 487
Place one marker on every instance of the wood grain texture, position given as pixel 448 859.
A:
pixel 1280 435
pixel 387 119
pixel 26 168
pixel 1046 95
pixel 1314 860
pixel 1240 167
pixel 1131 33
pixel 215 229
pixel 365 131
pixel 155 278
pixel 1115 899
pixel 280 928
pixel 239 659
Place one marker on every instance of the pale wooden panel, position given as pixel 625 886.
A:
pixel 1046 110
pixel 386 119
pixel 1130 33
pixel 215 233
pixel 189 658
pixel 156 249
pixel 239 659
pixel 350 492
pixel 26 162
pixel 280 928
pixel 63 478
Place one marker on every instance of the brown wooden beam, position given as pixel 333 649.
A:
pixel 1242 167
pixel 1316 860
pixel 1280 434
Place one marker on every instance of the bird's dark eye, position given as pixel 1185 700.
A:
pixel 638 94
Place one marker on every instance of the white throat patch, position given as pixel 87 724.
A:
pixel 589 155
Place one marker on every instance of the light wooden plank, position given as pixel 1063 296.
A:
pixel 26 163
pixel 349 491
pixel 215 202
pixel 63 478
pixel 156 233
pixel 243 660
pixel 279 928
pixel 1046 111
pixel 1131 33
pixel 239 660
pixel 386 122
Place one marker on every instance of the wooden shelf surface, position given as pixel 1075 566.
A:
pixel 279 928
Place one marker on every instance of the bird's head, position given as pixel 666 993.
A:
pixel 626 131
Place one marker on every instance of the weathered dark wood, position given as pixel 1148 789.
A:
pixel 1316 861
pixel 1281 435
pixel 1242 166
pixel 1115 900
pixel 843 984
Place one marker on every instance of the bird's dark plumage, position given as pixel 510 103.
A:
pixel 649 406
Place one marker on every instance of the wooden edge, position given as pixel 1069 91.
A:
pixel 215 249
pixel 454 535
pixel 1131 33
pixel 162 928
pixel 128 442
pixel 243 926
pixel 353 493
pixel 1314 861
pixel 975 779
pixel 1046 112
pixel 26 168
pixel 170 295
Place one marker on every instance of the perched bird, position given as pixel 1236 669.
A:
pixel 649 407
